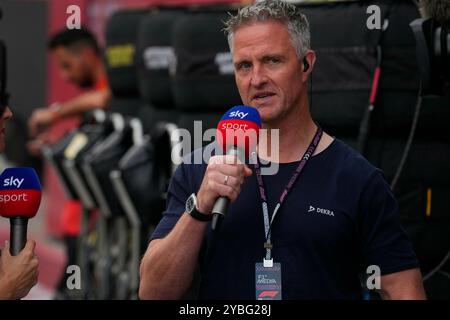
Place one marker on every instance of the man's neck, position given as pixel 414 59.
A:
pixel 295 135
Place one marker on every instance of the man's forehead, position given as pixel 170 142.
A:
pixel 260 36
pixel 68 51
pixel 61 52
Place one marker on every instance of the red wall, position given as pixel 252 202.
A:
pixel 58 91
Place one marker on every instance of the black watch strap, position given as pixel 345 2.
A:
pixel 197 215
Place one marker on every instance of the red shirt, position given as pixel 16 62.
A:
pixel 71 214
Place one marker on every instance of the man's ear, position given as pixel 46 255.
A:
pixel 308 64
pixel 305 65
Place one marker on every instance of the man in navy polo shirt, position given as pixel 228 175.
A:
pixel 306 240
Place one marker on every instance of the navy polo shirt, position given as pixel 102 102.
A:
pixel 339 218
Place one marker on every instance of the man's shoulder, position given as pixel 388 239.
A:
pixel 352 164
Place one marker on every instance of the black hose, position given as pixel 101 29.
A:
pixel 410 139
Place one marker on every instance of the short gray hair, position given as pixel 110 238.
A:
pixel 275 10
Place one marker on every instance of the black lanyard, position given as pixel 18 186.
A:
pixel 262 190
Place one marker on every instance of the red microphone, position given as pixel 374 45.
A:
pixel 237 134
pixel 20 197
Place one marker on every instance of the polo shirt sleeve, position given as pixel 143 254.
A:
pixel 383 241
pixel 177 195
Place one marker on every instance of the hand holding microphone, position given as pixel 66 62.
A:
pixel 237 135
pixel 18 274
pixel 223 178
pixel 20 197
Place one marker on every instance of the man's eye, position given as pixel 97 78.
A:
pixel 274 60
pixel 244 66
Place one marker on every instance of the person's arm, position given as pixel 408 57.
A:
pixel 403 285
pixel 169 263
pixel 168 266
pixel 386 244
pixel 84 102
pixel 18 274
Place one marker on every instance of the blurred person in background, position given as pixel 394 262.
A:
pixel 79 59
pixel 80 62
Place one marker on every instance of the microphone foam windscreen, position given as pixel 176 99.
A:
pixel 20 193
pixel 239 127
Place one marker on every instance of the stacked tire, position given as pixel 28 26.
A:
pixel 203 82
pixel 342 82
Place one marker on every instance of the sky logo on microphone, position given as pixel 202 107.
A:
pixel 20 192
pixel 238 114
pixel 243 112
pixel 14 182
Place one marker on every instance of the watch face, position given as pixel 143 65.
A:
pixel 190 203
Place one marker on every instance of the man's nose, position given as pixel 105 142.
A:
pixel 259 77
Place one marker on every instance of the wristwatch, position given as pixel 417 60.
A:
pixel 191 209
